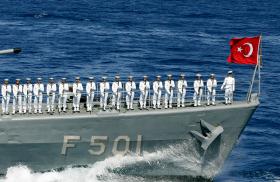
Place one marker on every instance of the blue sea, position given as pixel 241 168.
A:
pixel 97 37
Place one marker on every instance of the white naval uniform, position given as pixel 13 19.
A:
pixel 198 91
pixel 6 91
pixel 157 87
pixel 229 87
pixel 181 93
pixel 90 88
pixel 63 89
pixel 77 91
pixel 144 87
pixel 27 97
pixel 51 89
pixel 38 90
pixel 169 86
pixel 130 87
pixel 104 88
pixel 116 88
pixel 17 98
pixel 211 91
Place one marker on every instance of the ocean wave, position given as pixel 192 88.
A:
pixel 122 168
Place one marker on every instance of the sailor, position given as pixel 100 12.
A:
pixel 211 89
pixel 27 98
pixel 104 88
pixel 38 90
pixel 63 90
pixel 144 87
pixel 51 89
pixel 169 86
pixel 116 88
pixel 6 93
pixel 17 96
pixel 90 88
pixel 229 87
pixel 182 87
pixel 77 91
pixel 198 90
pixel 130 87
pixel 157 87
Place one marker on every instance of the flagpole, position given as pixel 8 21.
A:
pixel 257 67
pixel 259 64
pixel 252 83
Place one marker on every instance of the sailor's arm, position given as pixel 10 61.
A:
pixel 224 84
pixel 48 89
pixel 166 86
pixel 93 86
pixel 209 85
pixel 127 87
pixel 173 84
pixel 88 88
pixel 233 85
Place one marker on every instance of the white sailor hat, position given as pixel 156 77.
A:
pixel 77 78
pixel 18 79
pixel 39 79
pixel 169 75
pixel 229 72
pixel 91 78
pixel 63 79
pixel 28 79
pixel 182 74
pixel 198 75
pixel 104 77
pixel 212 74
pixel 6 79
pixel 51 79
pixel 117 76
pixel 130 76
pixel 158 76
pixel 145 76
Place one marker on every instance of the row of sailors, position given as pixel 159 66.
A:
pixel 27 90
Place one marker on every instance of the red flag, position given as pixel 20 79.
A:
pixel 244 50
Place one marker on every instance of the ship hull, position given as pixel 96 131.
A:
pixel 52 142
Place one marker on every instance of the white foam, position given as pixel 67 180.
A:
pixel 100 171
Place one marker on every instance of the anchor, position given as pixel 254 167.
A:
pixel 209 134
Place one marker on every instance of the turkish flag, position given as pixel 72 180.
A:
pixel 244 50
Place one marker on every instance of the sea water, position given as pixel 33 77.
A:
pixel 97 37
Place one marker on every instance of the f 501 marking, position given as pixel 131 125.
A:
pixel 100 143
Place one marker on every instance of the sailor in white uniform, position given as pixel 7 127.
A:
pixel 63 94
pixel 38 90
pixel 116 89
pixel 17 96
pixel 27 96
pixel 77 92
pixel 157 88
pixel 104 89
pixel 51 89
pixel 229 87
pixel 211 89
pixel 130 87
pixel 198 90
pixel 90 88
pixel 6 91
pixel 169 86
pixel 182 87
pixel 144 87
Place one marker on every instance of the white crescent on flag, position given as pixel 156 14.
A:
pixel 250 51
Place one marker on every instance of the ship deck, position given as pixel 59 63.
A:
pixel 98 112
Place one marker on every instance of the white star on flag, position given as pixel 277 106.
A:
pixel 239 49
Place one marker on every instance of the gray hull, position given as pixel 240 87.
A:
pixel 39 141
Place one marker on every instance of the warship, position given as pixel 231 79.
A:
pixel 45 142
